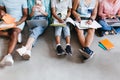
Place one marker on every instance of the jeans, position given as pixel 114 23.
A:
pixel 38 30
pixel 106 27
pixel 66 31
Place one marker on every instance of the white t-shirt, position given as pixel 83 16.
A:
pixel 37 10
pixel 61 7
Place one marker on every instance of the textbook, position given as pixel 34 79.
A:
pixel 83 24
pixel 4 26
pixel 107 44
pixel 7 23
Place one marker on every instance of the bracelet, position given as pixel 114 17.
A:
pixel 91 19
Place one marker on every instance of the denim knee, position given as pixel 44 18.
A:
pixel 104 25
pixel 37 31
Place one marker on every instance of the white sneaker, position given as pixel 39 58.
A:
pixel 27 55
pixel 19 38
pixel 21 50
pixel 7 60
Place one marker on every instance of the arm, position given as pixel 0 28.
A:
pixel 94 14
pixel 32 12
pixel 2 8
pixel 100 12
pixel 118 14
pixel 68 13
pixel 43 12
pixel 55 15
pixel 24 17
pixel 74 8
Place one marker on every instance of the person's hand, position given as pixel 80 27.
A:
pixel 78 19
pixel 2 13
pixel 17 23
pixel 33 8
pixel 89 22
pixel 61 21
pixel 111 16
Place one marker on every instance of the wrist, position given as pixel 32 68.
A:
pixel 91 19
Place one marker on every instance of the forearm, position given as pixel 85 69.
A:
pixel 68 13
pixel 21 20
pixel 44 13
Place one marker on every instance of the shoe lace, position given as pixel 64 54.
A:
pixel 87 50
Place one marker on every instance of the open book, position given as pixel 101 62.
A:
pixel 4 26
pixel 7 23
pixel 8 19
pixel 56 23
pixel 83 24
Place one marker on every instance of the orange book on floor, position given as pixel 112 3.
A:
pixel 107 44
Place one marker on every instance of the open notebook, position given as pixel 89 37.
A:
pixel 83 24
pixel 115 22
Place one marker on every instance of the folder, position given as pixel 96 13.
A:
pixel 107 44
pixel 101 46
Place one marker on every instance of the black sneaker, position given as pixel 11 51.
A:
pixel 68 50
pixel 60 50
pixel 86 52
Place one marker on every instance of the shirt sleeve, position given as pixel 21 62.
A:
pixel 25 4
pixel 70 4
pixel 1 3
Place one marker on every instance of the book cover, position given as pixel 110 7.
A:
pixel 8 19
pixel 107 44
pixel 100 45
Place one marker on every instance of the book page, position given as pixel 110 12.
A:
pixel 4 26
pixel 94 24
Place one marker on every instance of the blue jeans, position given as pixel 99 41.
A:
pixel 66 31
pixel 37 30
pixel 106 27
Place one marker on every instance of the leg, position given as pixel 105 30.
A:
pixel 105 26
pixel 59 49
pixel 13 40
pixel 58 31
pixel 86 51
pixel 81 37
pixel 89 37
pixel 8 60
pixel 66 31
pixel 25 51
pixel 2 33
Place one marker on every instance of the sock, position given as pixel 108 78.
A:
pixel 67 44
